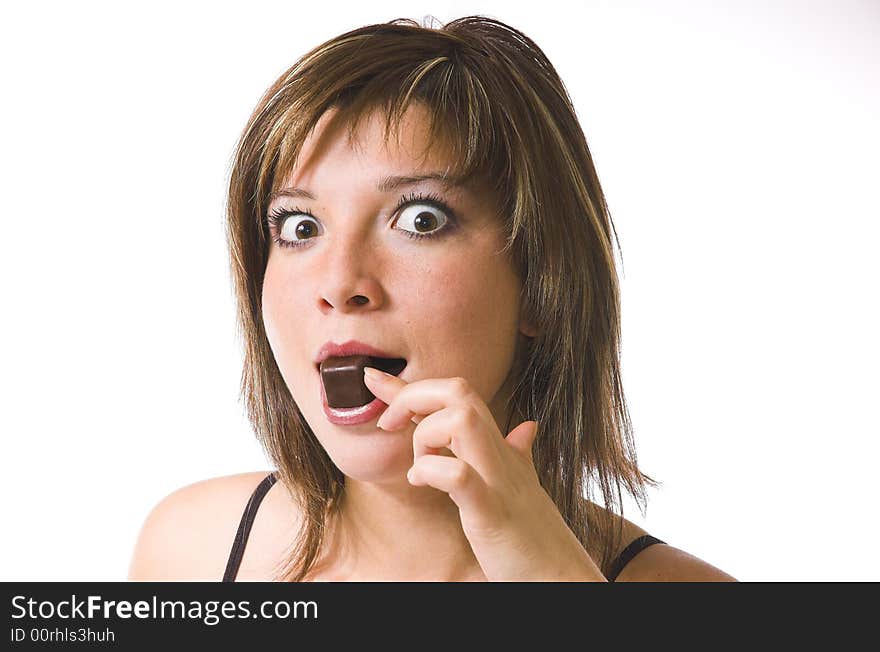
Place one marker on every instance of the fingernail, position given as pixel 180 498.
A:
pixel 375 374
pixel 379 423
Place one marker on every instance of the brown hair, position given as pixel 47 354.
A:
pixel 497 100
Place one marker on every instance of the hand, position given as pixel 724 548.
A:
pixel 514 528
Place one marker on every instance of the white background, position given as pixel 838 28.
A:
pixel 737 143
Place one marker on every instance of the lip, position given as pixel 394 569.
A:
pixel 356 415
pixel 351 347
pixel 351 416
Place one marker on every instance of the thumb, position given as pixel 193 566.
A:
pixel 523 436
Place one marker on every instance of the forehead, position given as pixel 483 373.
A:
pixel 406 148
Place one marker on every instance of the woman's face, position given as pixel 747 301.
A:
pixel 448 303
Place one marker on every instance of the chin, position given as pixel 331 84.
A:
pixel 371 457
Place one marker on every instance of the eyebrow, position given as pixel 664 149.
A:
pixel 386 184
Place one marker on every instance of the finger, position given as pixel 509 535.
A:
pixel 385 387
pixel 454 476
pixel 523 437
pixel 462 429
pixel 423 397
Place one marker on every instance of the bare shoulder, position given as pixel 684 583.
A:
pixel 188 534
pixel 661 562
pixel 665 563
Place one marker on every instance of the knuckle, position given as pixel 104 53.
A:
pixel 464 417
pixel 460 386
pixel 460 475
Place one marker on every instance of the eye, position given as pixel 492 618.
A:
pixel 422 218
pixel 292 227
pixel 295 228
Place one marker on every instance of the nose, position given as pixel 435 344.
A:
pixel 347 280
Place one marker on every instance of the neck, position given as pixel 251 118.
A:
pixel 397 532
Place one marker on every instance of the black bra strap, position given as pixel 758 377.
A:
pixel 629 552
pixel 244 527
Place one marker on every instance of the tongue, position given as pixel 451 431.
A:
pixel 343 378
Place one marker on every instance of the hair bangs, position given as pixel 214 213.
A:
pixel 463 122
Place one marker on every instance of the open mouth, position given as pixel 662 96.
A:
pixel 343 378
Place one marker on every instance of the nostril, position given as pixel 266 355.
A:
pixel 359 300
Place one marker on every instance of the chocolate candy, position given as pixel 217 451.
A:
pixel 343 378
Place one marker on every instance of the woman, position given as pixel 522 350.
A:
pixel 421 201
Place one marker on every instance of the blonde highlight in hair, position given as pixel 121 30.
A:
pixel 499 104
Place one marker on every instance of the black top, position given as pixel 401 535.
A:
pixel 250 512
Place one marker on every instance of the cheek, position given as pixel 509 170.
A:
pixel 467 315
pixel 456 300
pixel 280 313
pixel 272 306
